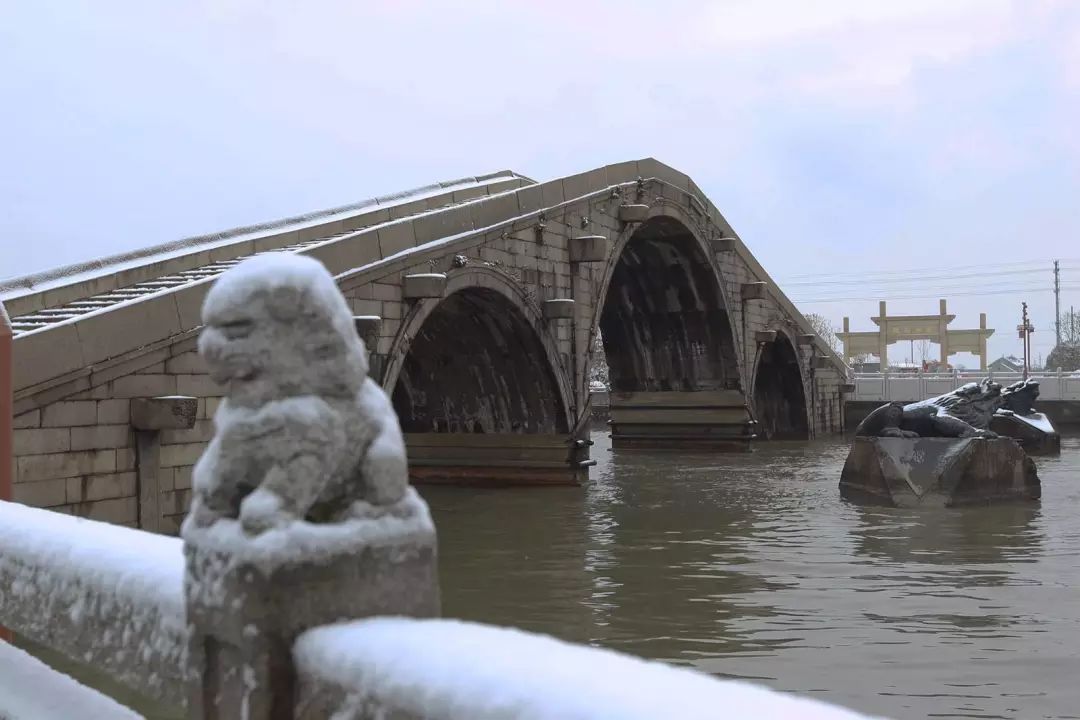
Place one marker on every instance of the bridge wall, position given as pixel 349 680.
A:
pixel 78 455
pixel 539 266
pixel 75 447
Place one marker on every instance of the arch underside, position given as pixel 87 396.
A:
pixel 669 346
pixel 476 366
pixel 478 399
pixel 664 325
pixel 779 397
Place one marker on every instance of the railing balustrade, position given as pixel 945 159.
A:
pixel 885 387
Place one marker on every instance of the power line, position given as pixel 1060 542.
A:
pixel 937 268
pixel 947 292
pixel 865 279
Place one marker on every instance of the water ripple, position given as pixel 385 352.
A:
pixel 750 566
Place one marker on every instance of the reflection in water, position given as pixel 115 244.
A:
pixel 752 566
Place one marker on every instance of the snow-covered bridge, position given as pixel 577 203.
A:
pixel 479 300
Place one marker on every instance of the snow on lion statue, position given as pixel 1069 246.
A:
pixel 303 433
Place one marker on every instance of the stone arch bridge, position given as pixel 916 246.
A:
pixel 479 300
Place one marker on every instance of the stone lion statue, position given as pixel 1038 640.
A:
pixel 303 433
pixel 962 413
pixel 1020 397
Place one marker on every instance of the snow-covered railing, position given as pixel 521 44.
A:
pixel 113 597
pixel 885 387
pixel 453 670
pixel 31 689
pixel 104 595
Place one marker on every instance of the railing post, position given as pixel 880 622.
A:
pixel 302 514
pixel 7 411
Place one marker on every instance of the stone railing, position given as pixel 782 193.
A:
pixel 114 598
pixel 103 595
pixel 884 387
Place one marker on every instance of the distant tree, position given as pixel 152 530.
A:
pixel 924 350
pixel 1070 327
pixel 1064 356
pixel 824 328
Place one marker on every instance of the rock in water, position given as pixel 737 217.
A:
pixel 940 472
pixel 1019 419
pixel 1034 431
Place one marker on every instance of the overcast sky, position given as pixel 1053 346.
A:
pixel 835 135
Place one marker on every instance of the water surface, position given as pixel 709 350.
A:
pixel 751 566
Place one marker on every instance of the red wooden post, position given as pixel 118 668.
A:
pixel 6 417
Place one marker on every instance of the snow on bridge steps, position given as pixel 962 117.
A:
pixel 114 597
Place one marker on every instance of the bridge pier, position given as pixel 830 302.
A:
pixel 702 420
pixel 497 458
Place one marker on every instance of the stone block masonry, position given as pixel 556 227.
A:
pixel 77 455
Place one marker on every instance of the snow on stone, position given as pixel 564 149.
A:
pixel 475 233
pixel 18 285
pixel 300 541
pixel 280 270
pixel 1038 420
pixel 439 669
pixel 113 594
pixel 31 690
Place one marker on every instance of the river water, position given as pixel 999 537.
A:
pixel 751 566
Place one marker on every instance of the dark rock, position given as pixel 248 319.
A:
pixel 909 472
pixel 1034 431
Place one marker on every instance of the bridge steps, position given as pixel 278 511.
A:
pixel 704 420
pixel 495 459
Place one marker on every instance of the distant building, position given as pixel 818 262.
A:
pixel 1006 364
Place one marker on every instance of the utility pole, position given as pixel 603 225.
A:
pixel 1057 303
pixel 1025 329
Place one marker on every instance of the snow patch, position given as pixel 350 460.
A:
pixel 302 541
pixel 453 669
pixel 31 690
pixel 1038 420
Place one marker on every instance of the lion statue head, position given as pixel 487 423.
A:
pixel 276 327
pixel 1020 397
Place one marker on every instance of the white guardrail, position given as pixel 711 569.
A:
pixel 911 386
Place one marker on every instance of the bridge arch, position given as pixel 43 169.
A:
pixel 662 311
pixel 477 360
pixel 778 390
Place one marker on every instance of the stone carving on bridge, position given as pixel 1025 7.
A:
pixel 304 486
pixel 303 432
